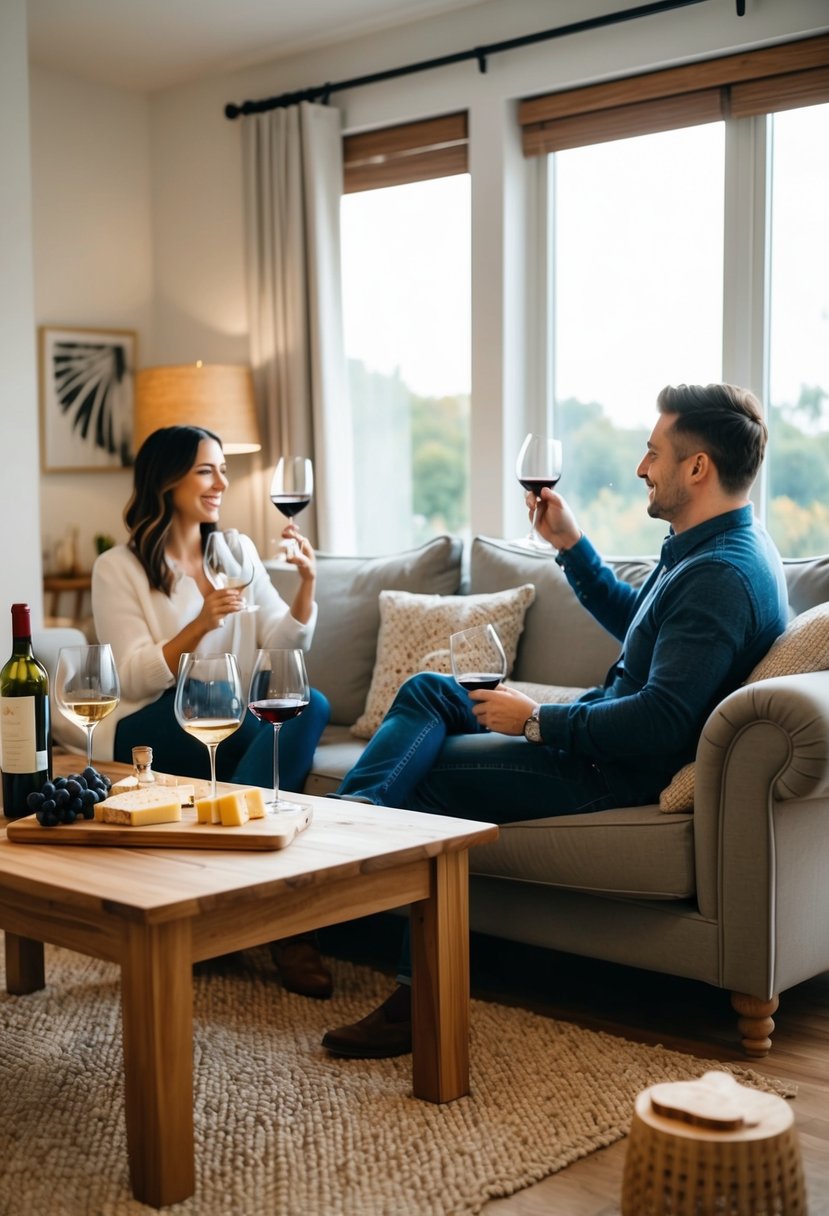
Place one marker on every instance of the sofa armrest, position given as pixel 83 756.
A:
pixel 761 830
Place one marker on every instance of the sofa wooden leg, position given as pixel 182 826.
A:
pixel 755 1023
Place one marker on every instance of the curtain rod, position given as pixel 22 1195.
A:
pixel 480 53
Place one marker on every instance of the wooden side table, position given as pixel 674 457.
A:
pixel 56 585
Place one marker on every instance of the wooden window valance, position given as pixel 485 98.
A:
pixel 411 152
pixel 780 77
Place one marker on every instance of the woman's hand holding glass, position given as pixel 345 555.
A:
pixel 228 564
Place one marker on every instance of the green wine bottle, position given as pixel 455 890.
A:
pixel 25 734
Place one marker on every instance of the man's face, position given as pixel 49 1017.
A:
pixel 664 473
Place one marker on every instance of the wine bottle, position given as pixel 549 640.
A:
pixel 25 734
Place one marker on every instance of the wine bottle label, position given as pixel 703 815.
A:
pixel 18 736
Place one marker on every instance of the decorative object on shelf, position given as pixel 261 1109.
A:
pixel 86 398
pixel 66 554
pixel 217 396
pixel 103 541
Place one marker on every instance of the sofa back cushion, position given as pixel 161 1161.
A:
pixel 341 659
pixel 561 643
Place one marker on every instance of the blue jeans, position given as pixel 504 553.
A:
pixel 245 757
pixel 431 754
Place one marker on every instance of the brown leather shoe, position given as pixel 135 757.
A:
pixel 301 968
pixel 385 1032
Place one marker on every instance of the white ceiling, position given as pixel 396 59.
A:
pixel 152 44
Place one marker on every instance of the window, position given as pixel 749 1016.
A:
pixel 637 285
pixel 798 464
pixel 407 317
pixel 643 273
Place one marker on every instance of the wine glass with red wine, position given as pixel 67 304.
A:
pixel 292 487
pixel 538 465
pixel 477 656
pixel 279 691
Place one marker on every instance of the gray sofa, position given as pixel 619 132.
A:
pixel 732 892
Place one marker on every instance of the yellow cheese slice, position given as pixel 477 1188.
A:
pixel 233 809
pixel 137 807
pixel 207 810
pixel 256 802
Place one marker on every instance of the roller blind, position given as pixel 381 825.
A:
pixel 411 152
pixel 757 82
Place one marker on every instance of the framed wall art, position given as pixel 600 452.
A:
pixel 86 398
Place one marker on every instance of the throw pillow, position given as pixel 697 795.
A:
pixel 802 647
pixel 414 633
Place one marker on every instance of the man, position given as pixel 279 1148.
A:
pixel 690 635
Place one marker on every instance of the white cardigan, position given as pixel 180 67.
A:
pixel 137 621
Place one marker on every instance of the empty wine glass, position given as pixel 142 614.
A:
pixel 228 562
pixel 478 659
pixel 538 465
pixel 87 687
pixel 292 487
pixel 209 703
pixel 279 691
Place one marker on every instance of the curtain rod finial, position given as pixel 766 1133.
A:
pixel 480 55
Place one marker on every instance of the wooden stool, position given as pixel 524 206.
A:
pixel 712 1147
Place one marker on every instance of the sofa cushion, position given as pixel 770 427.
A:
pixel 802 647
pixel 341 658
pixel 632 853
pixel 561 643
pixel 415 631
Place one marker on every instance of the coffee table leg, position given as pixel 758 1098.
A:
pixel 157 1015
pixel 440 983
pixel 24 965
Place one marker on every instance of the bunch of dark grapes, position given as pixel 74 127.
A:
pixel 67 798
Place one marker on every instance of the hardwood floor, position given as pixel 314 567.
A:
pixel 647 1008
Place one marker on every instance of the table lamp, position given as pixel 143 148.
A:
pixel 216 396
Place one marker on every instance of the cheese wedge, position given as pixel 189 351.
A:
pixel 121 787
pixel 137 807
pixel 207 810
pixel 233 809
pixel 256 802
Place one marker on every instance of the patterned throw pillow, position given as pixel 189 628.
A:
pixel 801 648
pixel 414 636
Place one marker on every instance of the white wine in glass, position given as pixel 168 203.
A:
pixel 477 656
pixel 292 488
pixel 228 563
pixel 279 691
pixel 538 465
pixel 87 688
pixel 209 704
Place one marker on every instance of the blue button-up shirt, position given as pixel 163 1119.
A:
pixel 690 635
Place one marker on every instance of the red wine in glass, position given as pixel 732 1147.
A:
pixel 538 465
pixel 292 487
pixel 277 710
pixel 474 680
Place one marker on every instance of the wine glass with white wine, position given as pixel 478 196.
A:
pixel 209 704
pixel 87 688
pixel 228 563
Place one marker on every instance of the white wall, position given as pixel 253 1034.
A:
pixel 92 257
pixel 19 507
pixel 138 204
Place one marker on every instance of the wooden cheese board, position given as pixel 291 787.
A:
pixel 272 832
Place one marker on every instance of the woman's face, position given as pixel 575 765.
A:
pixel 198 496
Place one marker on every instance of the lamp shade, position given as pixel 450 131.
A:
pixel 216 396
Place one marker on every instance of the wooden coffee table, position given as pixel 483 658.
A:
pixel 156 911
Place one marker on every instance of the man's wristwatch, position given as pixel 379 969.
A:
pixel 532 727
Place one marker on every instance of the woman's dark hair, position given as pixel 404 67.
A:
pixel 164 457
pixel 722 420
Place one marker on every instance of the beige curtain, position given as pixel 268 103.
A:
pixel 292 165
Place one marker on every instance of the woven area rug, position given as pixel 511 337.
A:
pixel 281 1127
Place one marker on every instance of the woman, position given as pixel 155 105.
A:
pixel 152 602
